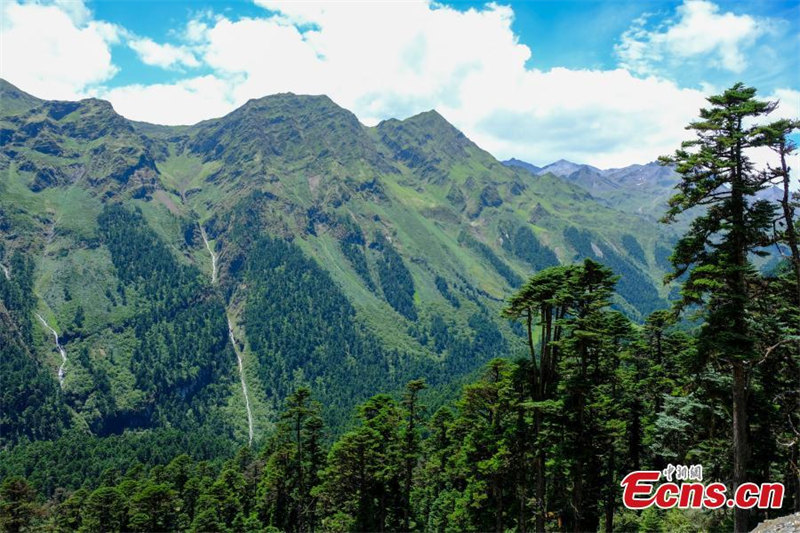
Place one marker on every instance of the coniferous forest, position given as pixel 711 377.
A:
pixel 515 413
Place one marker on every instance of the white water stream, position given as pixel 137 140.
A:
pixel 244 384
pixel 6 271
pixel 60 349
pixel 213 255
pixel 232 338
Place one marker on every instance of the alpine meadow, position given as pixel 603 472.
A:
pixel 286 319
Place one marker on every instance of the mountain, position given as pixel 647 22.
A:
pixel 189 278
pixel 564 168
pixel 585 176
pixel 637 189
pixel 513 162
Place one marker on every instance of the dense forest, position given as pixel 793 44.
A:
pixel 536 440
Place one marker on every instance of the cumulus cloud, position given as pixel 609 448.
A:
pixel 55 51
pixel 410 57
pixel 699 30
pixel 403 58
pixel 162 55
pixel 185 102
pixel 788 103
pixel 606 118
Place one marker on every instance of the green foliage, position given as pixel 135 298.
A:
pixel 18 505
pixel 447 294
pixel 662 255
pixel 396 280
pixel 511 277
pixel 352 245
pixel 634 286
pixel 30 400
pixel 294 459
pixel 183 359
pixel 105 509
pixel 309 329
pixel 633 248
pixel 524 245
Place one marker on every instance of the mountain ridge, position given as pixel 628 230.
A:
pixel 407 233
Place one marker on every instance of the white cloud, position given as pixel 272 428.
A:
pixel 75 9
pixel 606 118
pixel 185 102
pixel 162 55
pixel 788 103
pixel 398 59
pixel 407 58
pixel 54 53
pixel 700 30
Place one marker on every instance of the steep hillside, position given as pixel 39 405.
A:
pixel 195 275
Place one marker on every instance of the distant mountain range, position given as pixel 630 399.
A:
pixel 641 189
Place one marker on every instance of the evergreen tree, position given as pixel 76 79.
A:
pixel 293 465
pixel 69 515
pixel 18 505
pixel 106 510
pixel 361 485
pixel 411 442
pixel 544 297
pixel 154 507
pixel 717 174
pixel 776 136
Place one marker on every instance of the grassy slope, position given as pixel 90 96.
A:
pixel 410 202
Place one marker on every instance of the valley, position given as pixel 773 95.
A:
pixel 420 233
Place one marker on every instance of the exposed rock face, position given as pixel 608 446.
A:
pixel 784 524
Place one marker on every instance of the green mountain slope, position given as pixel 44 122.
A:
pixel 347 257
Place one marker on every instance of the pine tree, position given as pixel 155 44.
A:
pixel 294 460
pixel 544 297
pixel 588 364
pixel 106 509
pixel 154 507
pixel 411 442
pixel 17 504
pixel 716 173
pixel 776 136
pixel 361 484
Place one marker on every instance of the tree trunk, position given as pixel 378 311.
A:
pixel 793 478
pixel 497 491
pixel 610 495
pixel 740 445
pixel 739 326
pixel 791 232
pixel 540 486
pixel 409 466
pixel 302 496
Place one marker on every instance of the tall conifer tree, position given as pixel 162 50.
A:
pixel 718 175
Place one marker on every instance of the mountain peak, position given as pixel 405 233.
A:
pixel 284 126
pixel 564 168
pixel 297 105
pixel 433 121
pixel 430 114
pixel 290 98
pixel 518 163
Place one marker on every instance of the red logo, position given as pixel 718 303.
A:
pixel 640 491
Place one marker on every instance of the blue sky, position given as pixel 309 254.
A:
pixel 607 83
